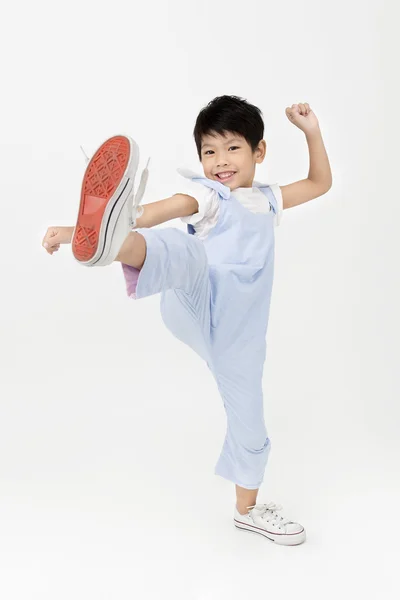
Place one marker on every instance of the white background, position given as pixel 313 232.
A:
pixel 109 427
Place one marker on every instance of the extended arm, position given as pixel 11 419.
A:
pixel 179 205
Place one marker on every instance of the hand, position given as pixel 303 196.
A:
pixel 56 236
pixel 303 117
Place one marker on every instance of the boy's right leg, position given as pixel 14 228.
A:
pixel 160 260
pixel 171 262
pixel 108 204
pixel 133 251
pixel 167 261
pixel 109 207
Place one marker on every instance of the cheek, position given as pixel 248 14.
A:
pixel 246 165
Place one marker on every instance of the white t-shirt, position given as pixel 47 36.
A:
pixel 207 216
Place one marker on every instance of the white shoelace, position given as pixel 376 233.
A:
pixel 137 209
pixel 269 514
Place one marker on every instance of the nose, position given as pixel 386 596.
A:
pixel 221 160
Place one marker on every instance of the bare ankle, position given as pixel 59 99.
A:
pixel 245 498
pixel 133 250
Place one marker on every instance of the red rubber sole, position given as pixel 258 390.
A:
pixel 102 177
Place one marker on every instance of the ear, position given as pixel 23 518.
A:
pixel 260 152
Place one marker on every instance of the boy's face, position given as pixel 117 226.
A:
pixel 229 159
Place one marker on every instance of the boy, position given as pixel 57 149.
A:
pixel 216 282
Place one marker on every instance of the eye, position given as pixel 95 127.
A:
pixel 235 147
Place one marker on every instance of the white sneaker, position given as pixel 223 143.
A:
pixel 109 205
pixel 264 519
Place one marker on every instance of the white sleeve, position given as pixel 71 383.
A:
pixel 206 197
pixel 277 206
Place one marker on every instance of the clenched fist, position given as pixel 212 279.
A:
pixel 55 236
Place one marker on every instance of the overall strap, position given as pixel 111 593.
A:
pixel 266 190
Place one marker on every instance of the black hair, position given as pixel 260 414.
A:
pixel 229 114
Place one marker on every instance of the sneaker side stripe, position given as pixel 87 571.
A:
pixel 262 529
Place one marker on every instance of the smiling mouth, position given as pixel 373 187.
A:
pixel 226 175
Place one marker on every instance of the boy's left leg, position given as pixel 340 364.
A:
pixel 245 498
pixel 246 448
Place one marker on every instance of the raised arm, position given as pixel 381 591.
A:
pixel 319 179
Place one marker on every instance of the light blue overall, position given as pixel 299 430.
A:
pixel 215 297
